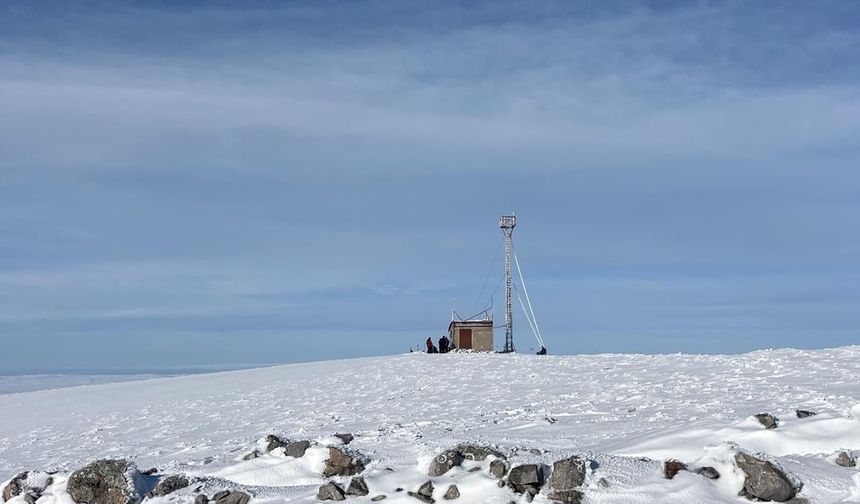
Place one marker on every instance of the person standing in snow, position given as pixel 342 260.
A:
pixel 429 345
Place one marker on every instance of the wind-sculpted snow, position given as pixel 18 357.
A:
pixel 613 409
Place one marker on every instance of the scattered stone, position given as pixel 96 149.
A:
pixel 672 467
pixel 535 451
pixel 331 491
pixel 475 469
pixel 346 438
pixel 498 468
pixel 398 489
pixel 358 487
pixel 234 498
pixel 708 472
pixel 566 496
pixel 444 462
pixel 526 478
pixel 424 493
pixel 272 441
pixel 342 463
pixel 251 456
pixel 201 499
pixel 15 487
pixel 105 482
pixel 150 471
pixel 379 498
pixel 452 493
pixel 220 495
pixel 501 483
pixel 764 480
pixel 567 474
pixel 804 413
pixel 479 453
pixel 603 483
pixel 846 459
pixel 297 449
pixel 171 484
pixel 767 420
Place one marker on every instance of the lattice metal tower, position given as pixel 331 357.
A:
pixel 508 223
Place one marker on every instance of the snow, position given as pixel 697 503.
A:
pixel 626 413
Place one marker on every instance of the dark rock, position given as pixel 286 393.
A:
pixel 475 469
pixel 234 498
pixel 765 481
pixel 452 493
pixel 171 484
pixel 105 482
pixel 201 499
pixel 346 438
pixel 708 472
pixel 272 441
pixel 525 478
pixel 845 459
pixel 672 467
pixel 444 462
pixel 478 453
pixel 220 495
pixel 331 491
pixel 566 496
pixel 297 449
pixel 767 420
pixel 357 486
pixel 17 486
pixel 498 468
pixel 379 498
pixel 398 489
pixel 501 483
pixel 424 493
pixel 568 473
pixel 150 471
pixel 251 456
pixel 804 413
pixel 29 498
pixel 603 483
pixel 342 463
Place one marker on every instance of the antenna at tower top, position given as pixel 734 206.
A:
pixel 508 223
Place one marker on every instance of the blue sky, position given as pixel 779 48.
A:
pixel 201 183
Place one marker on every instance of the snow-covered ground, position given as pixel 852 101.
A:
pixel 615 409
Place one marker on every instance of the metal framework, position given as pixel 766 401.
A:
pixel 508 223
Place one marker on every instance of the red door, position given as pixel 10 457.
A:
pixel 466 339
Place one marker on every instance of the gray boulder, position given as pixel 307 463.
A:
pixel 297 449
pixel 804 413
pixel 357 487
pixel 234 498
pixel 566 496
pixel 424 493
pixel 527 478
pixel 764 480
pixel 30 484
pixel 272 441
pixel 452 493
pixel 343 463
pixel 345 438
pixel 220 495
pixel 498 468
pixel 767 420
pixel 567 473
pixel 444 462
pixel 171 484
pixel 106 482
pixel 331 491
pixel 201 499
pixel 479 453
pixel 16 487
pixel 708 472
pixel 672 467
pixel 845 459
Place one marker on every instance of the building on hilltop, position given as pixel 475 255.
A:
pixel 472 334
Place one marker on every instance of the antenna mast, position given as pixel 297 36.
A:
pixel 508 223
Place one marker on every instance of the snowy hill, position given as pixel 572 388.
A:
pixel 625 413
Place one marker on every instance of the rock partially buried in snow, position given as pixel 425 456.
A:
pixel 330 491
pixel 443 462
pixel 845 459
pixel 171 484
pixel 804 413
pixel 672 467
pixel 424 493
pixel 31 484
pixel 566 496
pixel 297 449
pixel 342 463
pixel 271 442
pixel 498 468
pixel 708 472
pixel 233 498
pixel 479 453
pixel 567 474
pixel 357 487
pixel 764 480
pixel 527 478
pixel 767 420
pixel 345 438
pixel 201 499
pixel 452 493
pixel 379 498
pixel 106 482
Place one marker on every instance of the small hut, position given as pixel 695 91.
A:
pixel 471 334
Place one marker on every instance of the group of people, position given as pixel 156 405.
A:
pixel 445 345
